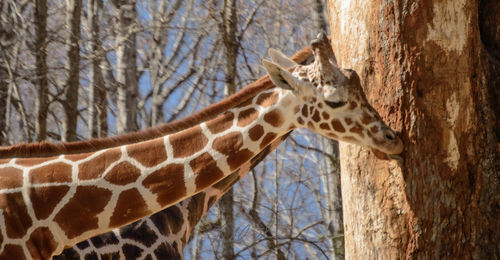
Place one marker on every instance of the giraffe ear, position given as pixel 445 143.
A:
pixel 281 59
pixel 284 79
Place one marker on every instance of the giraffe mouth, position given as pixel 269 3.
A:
pixel 385 156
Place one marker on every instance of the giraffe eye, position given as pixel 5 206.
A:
pixel 335 104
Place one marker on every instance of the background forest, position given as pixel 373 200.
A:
pixel 79 69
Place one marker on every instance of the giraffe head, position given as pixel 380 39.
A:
pixel 331 101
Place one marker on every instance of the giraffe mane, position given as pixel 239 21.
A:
pixel 45 149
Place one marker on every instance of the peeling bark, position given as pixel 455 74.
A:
pixel 425 70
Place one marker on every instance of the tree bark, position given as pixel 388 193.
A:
pixel 97 114
pixel 40 50
pixel 4 87
pixel 424 68
pixel 229 23
pixel 70 105
pixel 126 66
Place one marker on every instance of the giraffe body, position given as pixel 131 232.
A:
pixel 48 203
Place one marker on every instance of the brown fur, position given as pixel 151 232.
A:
pixel 17 219
pixel 165 183
pixel 45 149
pixel 206 171
pixel 130 206
pixel 274 118
pixel 45 199
pixel 41 243
pixel 123 174
pixel 149 153
pixel 256 132
pixel 10 177
pixel 80 213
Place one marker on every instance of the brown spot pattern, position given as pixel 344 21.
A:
pixel 348 121
pixel 374 129
pixel 304 111
pixel 33 161
pixel 366 119
pixel 12 252
pixel 129 207
pixel 15 214
pixel 148 153
pixel 235 160
pixel 310 126
pixel 10 178
pixel 267 139
pixel 173 219
pixel 122 174
pixel 352 105
pixel 316 117
pixel 167 183
pixel 80 213
pixel 311 110
pixel 247 116
pixel 52 173
pixel 206 171
pixel 324 126
pixel 211 201
pixel 196 207
pixel 325 115
pixel 226 183
pixel 229 143
pixel 95 167
pixel 45 199
pixel 357 129
pixel 188 142
pixel 221 123
pixel 274 118
pixel 256 132
pixel 41 243
pixel 267 99
pixel 300 120
pixel 337 125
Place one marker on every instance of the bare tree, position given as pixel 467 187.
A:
pixel 97 114
pixel 431 70
pixel 126 64
pixel 71 88
pixel 40 51
pixel 228 29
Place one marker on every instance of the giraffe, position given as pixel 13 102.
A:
pixel 60 194
pixel 164 234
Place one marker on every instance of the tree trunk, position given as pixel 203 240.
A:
pixel 73 14
pixel 4 87
pixel 229 23
pixel 97 114
pixel 424 68
pixel 126 66
pixel 40 50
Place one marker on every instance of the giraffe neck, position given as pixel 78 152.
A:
pixel 64 199
pixel 164 234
